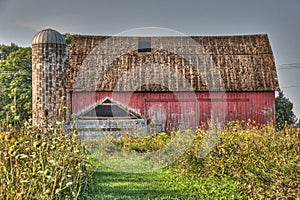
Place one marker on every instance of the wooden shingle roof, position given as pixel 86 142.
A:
pixel 205 63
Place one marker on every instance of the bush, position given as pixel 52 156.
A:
pixel 263 160
pixel 42 164
pixel 142 144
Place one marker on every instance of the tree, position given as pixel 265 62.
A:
pixel 284 111
pixel 6 50
pixel 68 38
pixel 15 86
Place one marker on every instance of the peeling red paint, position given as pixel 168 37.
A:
pixel 195 108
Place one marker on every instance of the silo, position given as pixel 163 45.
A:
pixel 49 66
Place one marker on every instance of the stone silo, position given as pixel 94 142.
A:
pixel 49 69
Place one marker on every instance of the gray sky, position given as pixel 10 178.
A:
pixel 20 20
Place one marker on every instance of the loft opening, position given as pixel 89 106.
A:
pixel 109 110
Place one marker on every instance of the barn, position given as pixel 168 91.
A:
pixel 174 82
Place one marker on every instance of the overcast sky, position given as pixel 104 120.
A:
pixel 20 20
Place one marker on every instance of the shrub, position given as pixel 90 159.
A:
pixel 42 164
pixel 142 144
pixel 264 161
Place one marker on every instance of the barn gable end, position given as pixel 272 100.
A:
pixel 107 109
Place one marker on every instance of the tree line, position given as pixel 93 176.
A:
pixel 15 84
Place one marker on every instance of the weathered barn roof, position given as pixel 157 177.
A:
pixel 206 63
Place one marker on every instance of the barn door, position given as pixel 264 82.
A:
pixel 171 114
pixel 182 115
pixel 156 114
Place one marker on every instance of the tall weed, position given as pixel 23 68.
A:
pixel 47 163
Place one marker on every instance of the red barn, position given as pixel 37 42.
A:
pixel 173 82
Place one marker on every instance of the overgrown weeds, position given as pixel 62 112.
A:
pixel 47 163
pixel 52 163
pixel 264 161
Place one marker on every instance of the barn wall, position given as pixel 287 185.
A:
pixel 173 108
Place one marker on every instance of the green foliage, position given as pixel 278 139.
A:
pixel 68 38
pixel 6 50
pixel 42 164
pixel 284 111
pixel 264 161
pixel 142 144
pixel 15 87
pixel 162 184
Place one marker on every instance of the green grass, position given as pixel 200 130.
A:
pixel 160 184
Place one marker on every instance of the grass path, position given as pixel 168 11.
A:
pixel 162 184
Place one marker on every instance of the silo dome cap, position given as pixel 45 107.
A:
pixel 48 36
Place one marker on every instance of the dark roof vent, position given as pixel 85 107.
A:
pixel 144 44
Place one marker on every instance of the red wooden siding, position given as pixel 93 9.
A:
pixel 194 108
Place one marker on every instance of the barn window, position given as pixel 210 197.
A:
pixel 144 44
